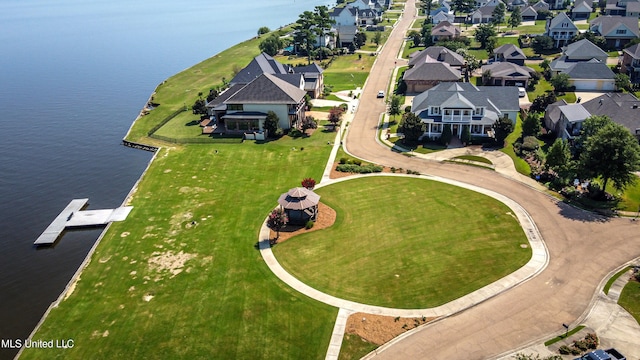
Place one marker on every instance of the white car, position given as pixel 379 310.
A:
pixel 380 94
pixel 522 92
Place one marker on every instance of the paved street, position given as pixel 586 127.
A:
pixel 583 247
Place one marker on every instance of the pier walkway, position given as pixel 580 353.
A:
pixel 74 216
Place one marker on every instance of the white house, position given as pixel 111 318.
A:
pixel 344 16
pixel 561 29
pixel 463 105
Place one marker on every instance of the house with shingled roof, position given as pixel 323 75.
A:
pixel 561 29
pixel 506 74
pixel 464 105
pixel 509 53
pixel 581 10
pixel 631 62
pixel 591 76
pixel 445 31
pixel 617 30
pixel 622 108
pixel 439 53
pixel 579 51
pixel 529 14
pixel 565 120
pixel 428 74
pixel 482 15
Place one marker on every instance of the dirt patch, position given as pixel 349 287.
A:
pixel 326 218
pixel 173 263
pixel 380 329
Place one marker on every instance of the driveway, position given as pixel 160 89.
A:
pixel 583 248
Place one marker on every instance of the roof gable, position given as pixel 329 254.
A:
pixel 584 49
pixel 608 25
pixel 562 21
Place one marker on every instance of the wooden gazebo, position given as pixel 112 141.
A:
pixel 300 205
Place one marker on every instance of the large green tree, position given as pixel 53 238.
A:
pixel 483 33
pixel 394 106
pixel 516 18
pixel 498 14
pixel 462 6
pixel 558 159
pixel 543 43
pixel 560 82
pixel 272 124
pixel 531 124
pixel 323 23
pixel 502 128
pixel 411 126
pixel 612 153
pixel 304 33
pixel 271 45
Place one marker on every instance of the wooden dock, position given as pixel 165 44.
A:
pixel 74 216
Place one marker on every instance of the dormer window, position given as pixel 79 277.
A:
pixel 621 31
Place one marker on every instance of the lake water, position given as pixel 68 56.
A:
pixel 73 76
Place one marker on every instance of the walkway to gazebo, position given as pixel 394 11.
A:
pixel 300 205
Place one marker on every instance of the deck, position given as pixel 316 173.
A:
pixel 74 216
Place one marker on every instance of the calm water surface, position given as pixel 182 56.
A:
pixel 73 76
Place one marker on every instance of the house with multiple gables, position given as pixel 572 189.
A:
pixel 506 74
pixel 463 105
pixel 622 7
pixel 445 31
pixel 442 16
pixel 482 15
pixel 429 73
pixel 439 53
pixel 617 30
pixel 509 53
pixel 529 14
pixel 579 51
pixel 565 120
pixel 264 85
pixel 540 5
pixel 586 65
pixel 561 29
pixel 631 63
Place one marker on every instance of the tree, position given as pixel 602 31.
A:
pixel 597 40
pixel 199 107
pixel 491 44
pixel 558 158
pixel 416 38
pixel 623 82
pixel 272 124
pixel 560 82
pixel 498 14
pixel 304 33
pixel 465 137
pixel 541 102
pixel 531 124
pixel 335 115
pixel 263 30
pixel 277 220
pixel 394 106
pixel 543 43
pixel 412 127
pixel 271 45
pixel 323 23
pixel 463 6
pixel 426 6
pixel 612 153
pixel 308 183
pixel 516 18
pixel 377 38
pixel 360 39
pixel 309 122
pixel 472 62
pixel 425 32
pixel 483 33
pixel 445 137
pixel 502 128
pixel 590 126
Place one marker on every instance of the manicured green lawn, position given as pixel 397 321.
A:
pixel 226 304
pixel 410 49
pixel 348 71
pixel 630 299
pixel 521 166
pixel 630 198
pixel 414 244
pixel 354 347
pixel 474 158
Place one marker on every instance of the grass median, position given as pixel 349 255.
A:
pixel 406 243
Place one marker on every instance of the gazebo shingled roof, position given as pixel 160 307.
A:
pixel 299 199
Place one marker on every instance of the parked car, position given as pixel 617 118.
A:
pixel 522 92
pixel 380 94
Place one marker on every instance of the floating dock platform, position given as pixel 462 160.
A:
pixel 74 216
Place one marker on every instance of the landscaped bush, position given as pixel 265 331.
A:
pixel 295 133
pixel 530 143
pixel 357 169
pixel 592 341
pixel 309 224
pixel 343 160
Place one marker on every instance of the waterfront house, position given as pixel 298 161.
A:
pixel 463 105
pixel 617 30
pixel 344 16
pixel 561 29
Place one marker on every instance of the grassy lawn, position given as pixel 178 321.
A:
pixel 615 277
pixel 226 304
pixel 405 258
pixel 354 347
pixel 630 299
pixel 348 71
pixel 474 158
pixel 521 166
pixel 370 45
pixel 538 28
pixel 630 198
pixel 409 49
pixel 417 24
pixel 185 125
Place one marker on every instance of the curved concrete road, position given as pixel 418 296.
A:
pixel 583 248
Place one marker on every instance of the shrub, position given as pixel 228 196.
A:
pixel 580 345
pixel 356 162
pixel 357 169
pixel 278 133
pixel 295 133
pixel 309 224
pixel 592 340
pixel 343 160
pixel 530 143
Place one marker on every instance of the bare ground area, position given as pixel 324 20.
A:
pixel 380 329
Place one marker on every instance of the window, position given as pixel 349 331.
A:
pixel 467 112
pixel 447 112
pixel 621 31
pixel 479 111
pixel 436 128
pixel 476 129
pixel 435 110
pixel 456 112
pixel 236 107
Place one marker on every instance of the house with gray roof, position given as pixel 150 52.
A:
pixel 445 31
pixel 581 10
pixel 540 5
pixel 622 108
pixel 439 53
pixel 428 74
pixel 463 105
pixel 344 16
pixel 482 15
pixel 579 51
pixel 565 120
pixel 561 29
pixel 509 53
pixel 617 30
pixel 529 14
pixel 591 76
pixel 506 74
pixel 442 16
pixel 622 7
pixel 631 62
pixel 313 79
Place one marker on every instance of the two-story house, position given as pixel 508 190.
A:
pixel 617 30
pixel 579 51
pixel 463 105
pixel 344 16
pixel 586 65
pixel 509 53
pixel 631 63
pixel 445 31
pixel 561 29
pixel 565 120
